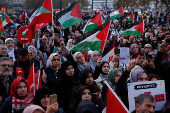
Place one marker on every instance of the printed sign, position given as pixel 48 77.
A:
pixel 155 88
pixel 124 55
pixel 24 35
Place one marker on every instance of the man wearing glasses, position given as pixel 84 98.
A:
pixel 5 78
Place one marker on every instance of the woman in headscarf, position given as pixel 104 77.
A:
pixel 84 92
pixel 104 70
pixel 19 99
pixel 68 79
pixel 86 78
pixel 33 51
pixel 81 63
pixel 93 60
pixel 42 97
pixel 70 44
pixel 34 109
pixel 52 73
pixel 58 51
pixel 134 49
pixel 137 75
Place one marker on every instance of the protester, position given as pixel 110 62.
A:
pixel 19 98
pixel 3 50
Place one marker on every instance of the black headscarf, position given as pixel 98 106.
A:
pixel 83 75
pixel 86 106
pixel 40 93
pixel 64 67
pixel 104 62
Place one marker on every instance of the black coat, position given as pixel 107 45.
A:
pixel 3 92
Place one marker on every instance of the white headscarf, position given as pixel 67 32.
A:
pixel 93 63
pixel 68 45
pixel 75 56
pixel 49 61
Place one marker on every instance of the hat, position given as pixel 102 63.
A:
pixel 8 39
pixel 23 52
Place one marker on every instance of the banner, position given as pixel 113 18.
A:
pixel 155 88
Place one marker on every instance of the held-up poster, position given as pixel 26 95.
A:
pixel 124 55
pixel 155 88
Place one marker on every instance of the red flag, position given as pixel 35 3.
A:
pixel 22 17
pixel 159 97
pixel 32 81
pixel 112 102
pixel 39 26
pixel 1 27
pixel 20 73
pixel 86 56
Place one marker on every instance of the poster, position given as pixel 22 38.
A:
pixel 155 88
pixel 124 55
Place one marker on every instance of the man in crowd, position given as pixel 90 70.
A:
pixel 5 78
pixel 24 63
pixel 3 50
pixel 12 53
pixel 145 103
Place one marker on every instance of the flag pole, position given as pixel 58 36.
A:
pixel 33 78
pixel 52 17
pixel 38 78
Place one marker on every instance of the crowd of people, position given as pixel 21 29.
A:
pixel 79 83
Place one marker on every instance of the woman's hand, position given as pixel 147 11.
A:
pixel 99 62
pixel 52 108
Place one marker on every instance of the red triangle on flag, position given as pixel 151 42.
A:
pixel 1 26
pixel 76 11
pixel 103 35
pixel 140 27
pixel 97 19
pixel 8 20
pixel 47 5
pixel 86 56
pixel 121 10
pixel 131 15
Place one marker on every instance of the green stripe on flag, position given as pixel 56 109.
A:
pixel 86 46
pixel 36 38
pixel 91 27
pixel 1 32
pixel 131 33
pixel 43 10
pixel 4 17
pixel 116 16
pixel 72 21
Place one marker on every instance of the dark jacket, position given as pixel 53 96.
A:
pixel 25 67
pixel 3 92
pixel 6 107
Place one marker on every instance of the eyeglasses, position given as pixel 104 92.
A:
pixel 5 65
pixel 95 55
pixel 148 47
pixel 80 57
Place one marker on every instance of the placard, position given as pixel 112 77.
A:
pixel 155 88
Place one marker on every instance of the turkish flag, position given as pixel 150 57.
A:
pixel 159 97
pixel 39 26
pixel 32 81
pixel 20 73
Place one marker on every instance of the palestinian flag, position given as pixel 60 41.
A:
pixel 36 40
pixel 109 55
pixel 131 17
pixel 70 16
pixel 112 102
pixel 42 14
pixel 94 23
pixel 23 17
pixel 6 20
pixel 117 14
pixel 134 31
pixel 1 27
pixel 95 41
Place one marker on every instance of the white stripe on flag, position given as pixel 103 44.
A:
pixel 104 110
pixel 65 17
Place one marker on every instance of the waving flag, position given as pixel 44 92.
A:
pixel 70 16
pixel 94 42
pixel 112 102
pixel 6 20
pixel 94 23
pixel 1 27
pixel 117 14
pixel 134 31
pixel 131 17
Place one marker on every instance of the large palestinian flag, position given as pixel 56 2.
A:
pixel 70 16
pixel 1 27
pixel 131 17
pixel 94 23
pixel 117 14
pixel 95 41
pixel 42 14
pixel 112 103
pixel 6 20
pixel 134 31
